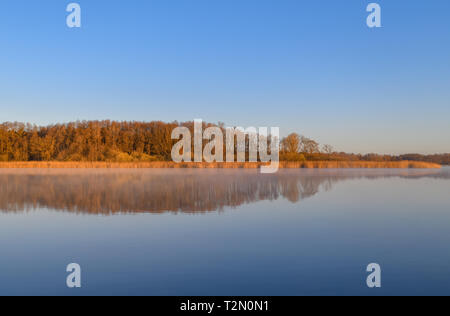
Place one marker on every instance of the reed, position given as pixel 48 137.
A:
pixel 235 165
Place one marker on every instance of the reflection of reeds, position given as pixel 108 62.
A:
pixel 234 165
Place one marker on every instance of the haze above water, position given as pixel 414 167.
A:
pixel 224 232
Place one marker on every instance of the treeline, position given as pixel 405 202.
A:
pixel 109 141
pixel 299 148
pixel 113 141
pixel 442 159
pixel 86 141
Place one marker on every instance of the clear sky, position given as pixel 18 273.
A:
pixel 313 67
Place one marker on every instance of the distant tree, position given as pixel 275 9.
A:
pixel 309 146
pixel 291 143
pixel 327 149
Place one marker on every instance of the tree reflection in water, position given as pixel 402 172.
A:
pixel 170 190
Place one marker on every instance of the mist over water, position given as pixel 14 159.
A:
pixel 224 232
pixel 119 191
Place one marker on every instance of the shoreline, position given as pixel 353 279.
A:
pixel 216 165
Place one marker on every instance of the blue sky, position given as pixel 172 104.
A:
pixel 313 67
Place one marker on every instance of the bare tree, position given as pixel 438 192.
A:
pixel 327 149
pixel 291 143
pixel 309 146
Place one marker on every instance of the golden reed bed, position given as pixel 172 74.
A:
pixel 237 165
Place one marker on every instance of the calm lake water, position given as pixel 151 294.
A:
pixel 224 232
